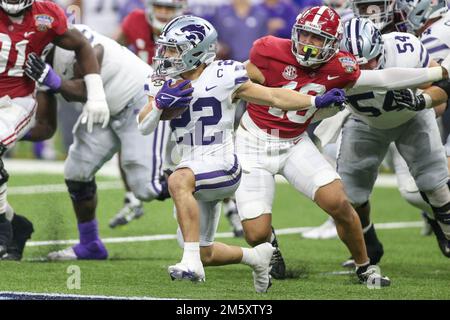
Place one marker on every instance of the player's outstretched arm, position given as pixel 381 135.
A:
pixel 433 96
pixel 286 99
pixel 398 78
pixel 46 123
pixel 96 109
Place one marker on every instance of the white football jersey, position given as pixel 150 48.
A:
pixel 377 108
pixel 436 38
pixel 122 71
pixel 207 127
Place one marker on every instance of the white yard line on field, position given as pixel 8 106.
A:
pixel 110 169
pixel 159 237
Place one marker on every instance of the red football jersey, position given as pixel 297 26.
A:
pixel 274 58
pixel 40 25
pixel 139 34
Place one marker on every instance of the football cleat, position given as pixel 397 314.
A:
pixel 370 276
pixel 234 219
pixel 94 250
pixel 5 235
pixel 62 255
pixel 443 242
pixel 128 213
pixel 278 267
pixel 181 271
pixel 22 230
pixel 325 231
pixel 261 275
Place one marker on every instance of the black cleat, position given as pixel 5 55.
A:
pixel 278 267
pixel 374 248
pixel 443 242
pixel 370 276
pixel 22 230
pixel 5 234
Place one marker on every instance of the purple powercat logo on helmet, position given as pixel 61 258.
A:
pixel 195 33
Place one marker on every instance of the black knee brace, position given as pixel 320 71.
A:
pixel 81 191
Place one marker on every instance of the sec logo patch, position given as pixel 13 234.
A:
pixel 290 73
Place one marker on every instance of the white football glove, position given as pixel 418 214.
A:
pixel 95 112
pixel 96 109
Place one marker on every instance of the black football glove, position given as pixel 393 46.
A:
pixel 407 98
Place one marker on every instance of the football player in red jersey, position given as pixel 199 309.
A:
pixel 273 142
pixel 27 27
pixel 141 28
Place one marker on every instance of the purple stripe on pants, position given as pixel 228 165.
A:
pixel 218 173
pixel 219 185
pixel 155 143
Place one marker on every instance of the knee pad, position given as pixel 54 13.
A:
pixel 81 191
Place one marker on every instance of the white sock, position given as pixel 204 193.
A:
pixel 191 254
pixel 249 257
pixel 132 198
pixel 363 264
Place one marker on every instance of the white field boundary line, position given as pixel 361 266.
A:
pixel 8 295
pixel 159 237
pixel 111 169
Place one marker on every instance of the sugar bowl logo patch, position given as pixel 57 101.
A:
pixel 348 64
pixel 43 22
pixel 290 73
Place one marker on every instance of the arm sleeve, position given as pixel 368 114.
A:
pixel 150 122
pixel 396 78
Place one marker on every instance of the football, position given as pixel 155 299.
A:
pixel 174 112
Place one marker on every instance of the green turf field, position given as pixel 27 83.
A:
pixel 413 262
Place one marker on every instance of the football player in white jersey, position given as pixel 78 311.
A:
pixel 209 170
pixel 429 20
pixel 378 118
pixel 141 157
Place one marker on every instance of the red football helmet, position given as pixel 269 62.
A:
pixel 324 23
